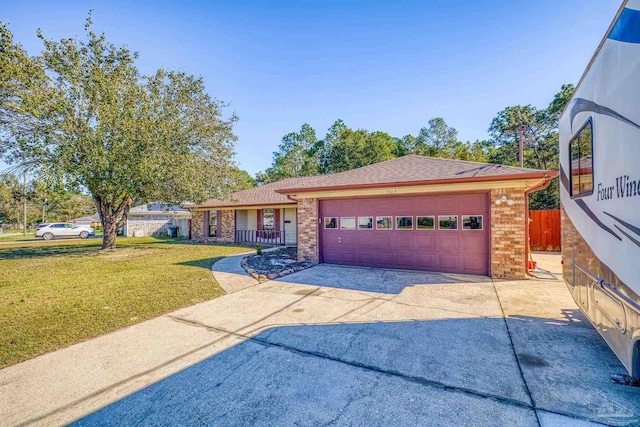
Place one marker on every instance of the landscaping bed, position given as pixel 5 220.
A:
pixel 275 263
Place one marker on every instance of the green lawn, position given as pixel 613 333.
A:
pixel 57 293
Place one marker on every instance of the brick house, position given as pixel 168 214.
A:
pixel 412 212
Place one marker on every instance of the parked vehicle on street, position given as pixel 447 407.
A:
pixel 600 188
pixel 56 230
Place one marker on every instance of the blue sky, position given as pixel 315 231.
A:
pixel 384 65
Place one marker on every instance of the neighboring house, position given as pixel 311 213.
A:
pixel 90 221
pixel 412 212
pixel 155 218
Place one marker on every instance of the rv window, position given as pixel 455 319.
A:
pixel 581 152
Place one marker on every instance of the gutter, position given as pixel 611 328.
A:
pixel 526 225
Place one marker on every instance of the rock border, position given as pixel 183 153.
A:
pixel 261 278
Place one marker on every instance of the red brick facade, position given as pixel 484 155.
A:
pixel 308 229
pixel 227 226
pixel 508 235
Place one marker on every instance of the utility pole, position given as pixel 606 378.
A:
pixel 521 144
pixel 44 211
pixel 24 202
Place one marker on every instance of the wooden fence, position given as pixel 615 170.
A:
pixel 544 230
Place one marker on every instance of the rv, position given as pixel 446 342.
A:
pixel 600 188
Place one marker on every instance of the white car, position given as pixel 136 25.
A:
pixel 63 229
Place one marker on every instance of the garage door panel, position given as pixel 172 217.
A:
pixel 402 240
pixel 365 240
pixel 365 205
pixel 347 257
pixel 474 264
pixel 425 261
pixel 425 240
pixel 473 242
pixel 383 206
pixel 464 251
pixel 448 203
pixel 382 238
pixel 403 204
pixel 404 259
pixel 447 242
pixel 447 262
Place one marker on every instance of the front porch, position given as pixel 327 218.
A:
pixel 263 225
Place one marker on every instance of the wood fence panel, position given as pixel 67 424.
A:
pixel 544 230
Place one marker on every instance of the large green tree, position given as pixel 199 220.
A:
pixel 540 131
pixel 296 156
pixel 356 148
pixel 84 110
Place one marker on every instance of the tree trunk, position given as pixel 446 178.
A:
pixel 110 231
pixel 112 216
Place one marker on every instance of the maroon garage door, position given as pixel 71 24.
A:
pixel 437 233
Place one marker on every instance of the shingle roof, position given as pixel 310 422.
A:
pixel 415 169
pixel 262 195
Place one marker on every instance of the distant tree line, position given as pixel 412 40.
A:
pixel 302 153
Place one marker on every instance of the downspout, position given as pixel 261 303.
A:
pixel 526 222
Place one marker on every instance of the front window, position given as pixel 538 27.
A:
pixel 268 219
pixel 581 153
pixel 213 223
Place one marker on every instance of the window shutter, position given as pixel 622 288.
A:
pixel 260 225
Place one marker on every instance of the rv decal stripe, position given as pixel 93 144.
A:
pixel 627 234
pixel 627 28
pixel 595 219
pixel 564 179
pixel 626 224
pixel 580 105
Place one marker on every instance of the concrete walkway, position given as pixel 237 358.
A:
pixel 338 345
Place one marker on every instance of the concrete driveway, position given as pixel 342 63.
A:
pixel 340 346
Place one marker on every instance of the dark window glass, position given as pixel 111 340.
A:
pixel 425 222
pixel 331 222
pixel 365 222
pixel 581 154
pixel 404 223
pixel 384 223
pixel 472 222
pixel 448 222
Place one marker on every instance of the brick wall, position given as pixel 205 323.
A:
pixel 508 235
pixel 308 230
pixel 227 226
pixel 197 224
